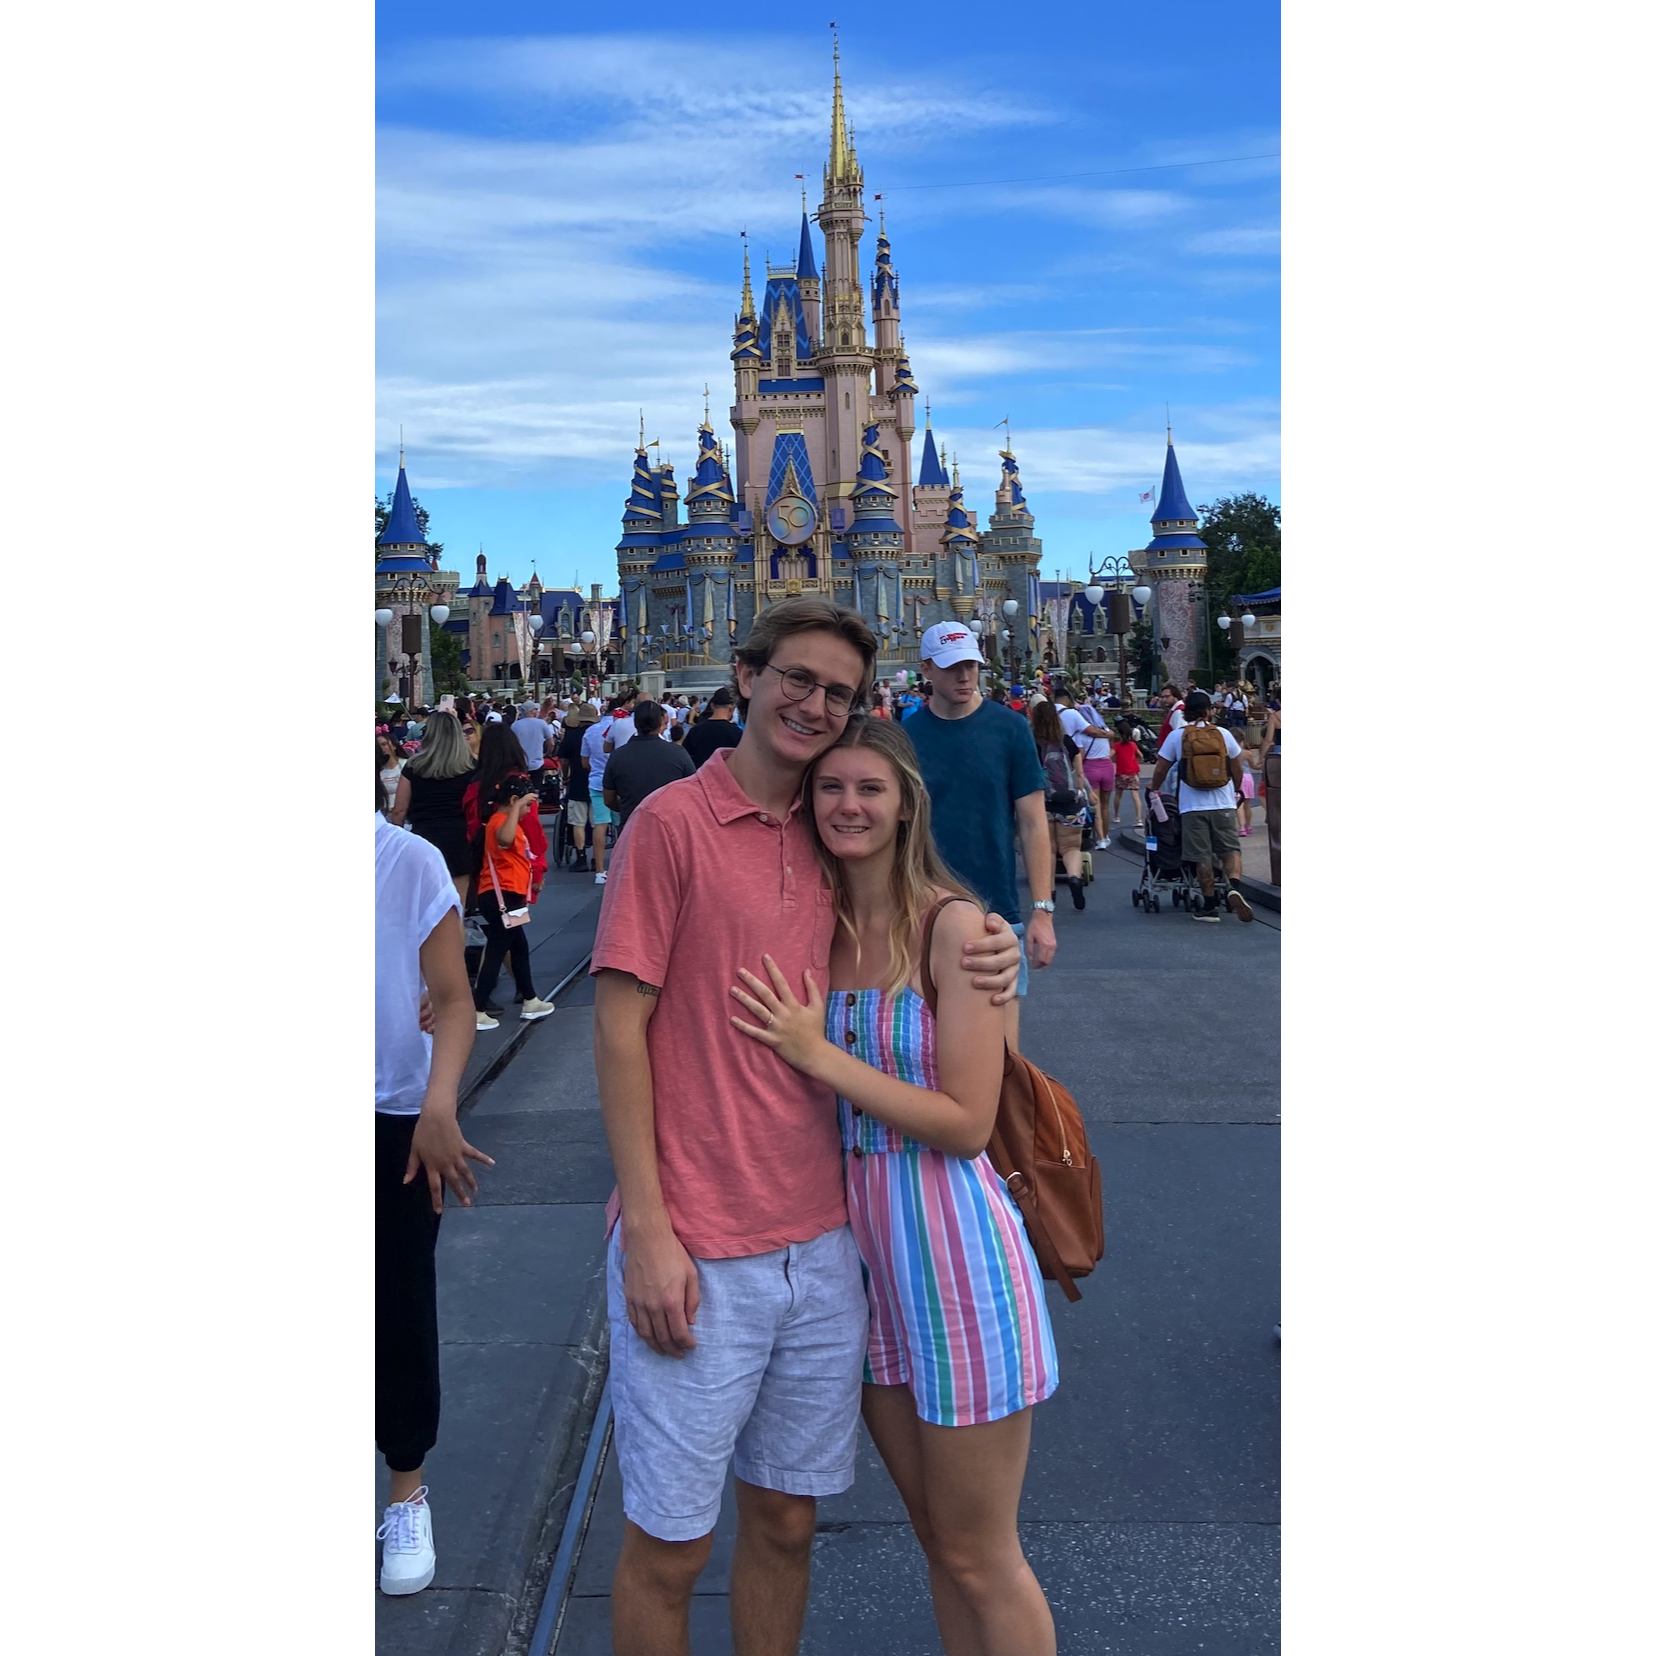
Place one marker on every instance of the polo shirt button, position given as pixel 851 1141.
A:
pixel 763 817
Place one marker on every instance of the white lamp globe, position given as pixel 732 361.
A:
pixel 1005 633
pixel 589 638
pixel 1010 608
pixel 536 622
pixel 1224 623
pixel 1142 595
pixel 1095 595
pixel 383 617
pixel 976 626
pixel 1253 620
pixel 439 613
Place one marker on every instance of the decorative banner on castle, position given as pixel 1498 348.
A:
pixel 520 630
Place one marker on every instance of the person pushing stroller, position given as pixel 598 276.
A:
pixel 1210 777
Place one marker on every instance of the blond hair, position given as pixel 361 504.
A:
pixel 807 613
pixel 917 871
pixel 444 751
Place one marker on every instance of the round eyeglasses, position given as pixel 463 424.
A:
pixel 797 685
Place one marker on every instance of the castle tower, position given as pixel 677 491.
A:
pixel 876 538
pixel 894 381
pixel 1175 564
pixel 960 540
pixel 403 584
pixel 1010 557
pixel 637 551
pixel 844 359
pixel 710 550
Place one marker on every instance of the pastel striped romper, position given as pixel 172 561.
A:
pixel 956 1308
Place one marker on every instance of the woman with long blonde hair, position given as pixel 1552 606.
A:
pixel 960 1346
pixel 430 795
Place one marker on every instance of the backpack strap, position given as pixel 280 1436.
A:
pixel 928 984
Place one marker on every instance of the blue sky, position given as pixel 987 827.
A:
pixel 558 218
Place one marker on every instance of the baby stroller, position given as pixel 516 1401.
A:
pixel 1165 872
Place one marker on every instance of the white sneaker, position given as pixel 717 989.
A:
pixel 599 879
pixel 1104 844
pixel 409 1561
pixel 484 1021
pixel 533 1008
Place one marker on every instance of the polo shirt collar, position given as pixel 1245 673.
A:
pixel 724 792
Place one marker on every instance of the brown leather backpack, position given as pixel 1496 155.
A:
pixel 1039 1147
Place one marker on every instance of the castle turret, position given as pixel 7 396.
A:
pixel 810 282
pixel 709 545
pixel 875 536
pixel 1010 557
pixel 403 583
pixel 1175 562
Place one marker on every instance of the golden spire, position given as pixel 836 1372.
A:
pixel 641 431
pixel 928 413
pixel 842 155
pixel 957 474
pixel 706 406
pixel 747 280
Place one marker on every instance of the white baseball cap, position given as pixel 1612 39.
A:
pixel 948 642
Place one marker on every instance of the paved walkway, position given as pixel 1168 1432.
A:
pixel 1151 1506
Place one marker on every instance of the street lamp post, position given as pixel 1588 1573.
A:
pixel 1010 610
pixel 1119 572
pixel 1236 628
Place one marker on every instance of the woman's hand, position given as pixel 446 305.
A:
pixel 440 1149
pixel 793 1032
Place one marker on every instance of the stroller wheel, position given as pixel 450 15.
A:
pixel 1137 896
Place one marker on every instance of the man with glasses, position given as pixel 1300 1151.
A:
pixel 738 1317
pixel 980 767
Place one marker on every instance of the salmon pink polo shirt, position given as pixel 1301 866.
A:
pixel 702 882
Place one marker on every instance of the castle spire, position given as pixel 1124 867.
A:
pixel 807 267
pixel 932 474
pixel 747 282
pixel 402 527
pixel 1172 504
pixel 842 149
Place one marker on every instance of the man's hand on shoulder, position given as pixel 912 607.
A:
pixel 994 959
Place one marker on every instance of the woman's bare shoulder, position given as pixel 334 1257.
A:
pixel 959 922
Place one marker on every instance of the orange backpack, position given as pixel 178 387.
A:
pixel 1039 1147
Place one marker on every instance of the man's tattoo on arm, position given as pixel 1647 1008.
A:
pixel 643 988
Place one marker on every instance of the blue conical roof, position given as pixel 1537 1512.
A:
pixel 402 528
pixel 1172 506
pixel 931 468
pixel 807 270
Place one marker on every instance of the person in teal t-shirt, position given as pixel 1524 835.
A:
pixel 980 767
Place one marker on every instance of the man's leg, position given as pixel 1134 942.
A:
pixel 770 1575
pixel 800 1441
pixel 650 1595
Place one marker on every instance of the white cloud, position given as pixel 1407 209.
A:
pixel 1242 240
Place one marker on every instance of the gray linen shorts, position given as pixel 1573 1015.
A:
pixel 774 1383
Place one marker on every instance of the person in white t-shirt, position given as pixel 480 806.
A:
pixel 1207 816
pixel 418 1148
pixel 1086 728
pixel 595 755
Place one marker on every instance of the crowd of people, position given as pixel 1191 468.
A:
pixel 798 1072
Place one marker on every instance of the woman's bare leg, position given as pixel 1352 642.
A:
pixel 889 1414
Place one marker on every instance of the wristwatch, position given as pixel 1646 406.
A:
pixel 1046 906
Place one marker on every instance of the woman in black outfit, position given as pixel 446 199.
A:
pixel 430 794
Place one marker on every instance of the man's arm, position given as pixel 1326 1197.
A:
pixel 659 1279
pixel 1040 940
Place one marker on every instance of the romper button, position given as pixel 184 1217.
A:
pixel 850 1037
pixel 856 1110
pixel 850 1000
pixel 856 1149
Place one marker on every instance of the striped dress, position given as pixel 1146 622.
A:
pixel 956 1308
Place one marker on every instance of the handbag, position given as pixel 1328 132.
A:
pixel 1039 1148
pixel 509 918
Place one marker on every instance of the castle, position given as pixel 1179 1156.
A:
pixel 823 497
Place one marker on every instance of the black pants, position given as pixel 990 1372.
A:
pixel 407 1394
pixel 502 941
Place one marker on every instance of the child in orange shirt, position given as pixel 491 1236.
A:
pixel 502 887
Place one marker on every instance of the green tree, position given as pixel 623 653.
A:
pixel 1244 541
pixel 382 515
pixel 447 673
